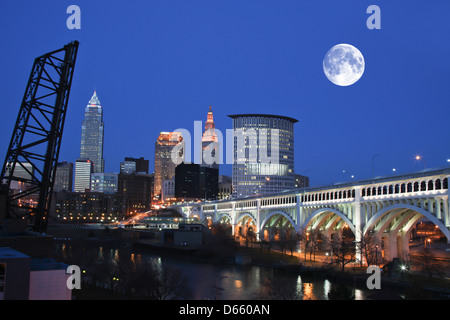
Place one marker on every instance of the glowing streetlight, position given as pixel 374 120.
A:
pixel 419 158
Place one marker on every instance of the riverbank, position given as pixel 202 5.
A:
pixel 260 257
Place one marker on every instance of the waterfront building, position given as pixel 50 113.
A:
pixel 263 159
pixel 88 207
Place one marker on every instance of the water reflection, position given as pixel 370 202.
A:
pixel 210 281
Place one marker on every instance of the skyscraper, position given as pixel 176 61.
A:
pixel 263 154
pixel 210 143
pixel 92 131
pixel 168 154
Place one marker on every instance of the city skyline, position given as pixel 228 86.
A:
pixel 254 59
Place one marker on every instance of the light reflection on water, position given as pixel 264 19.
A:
pixel 228 282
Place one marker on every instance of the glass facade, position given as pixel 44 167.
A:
pixel 92 131
pixel 263 154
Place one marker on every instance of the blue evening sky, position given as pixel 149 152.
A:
pixel 159 65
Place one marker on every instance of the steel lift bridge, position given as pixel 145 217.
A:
pixel 33 152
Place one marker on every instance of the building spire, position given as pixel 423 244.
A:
pixel 94 100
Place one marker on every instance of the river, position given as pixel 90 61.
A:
pixel 223 282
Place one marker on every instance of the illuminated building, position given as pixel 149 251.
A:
pixel 92 131
pixel 104 182
pixel 263 162
pixel 165 159
pixel 83 171
pixel 225 188
pixel 168 189
pixel 210 143
pixel 88 207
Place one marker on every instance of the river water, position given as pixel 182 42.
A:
pixel 222 282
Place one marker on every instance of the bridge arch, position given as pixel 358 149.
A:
pixel 399 219
pixel 327 211
pixel 375 218
pixel 224 217
pixel 244 222
pixel 274 213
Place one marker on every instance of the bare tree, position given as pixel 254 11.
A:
pixel 304 242
pixel 314 244
pixel 343 249
pixel 293 239
pixel 370 249
pixel 427 262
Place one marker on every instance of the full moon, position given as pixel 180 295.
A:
pixel 343 64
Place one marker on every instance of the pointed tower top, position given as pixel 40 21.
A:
pixel 94 100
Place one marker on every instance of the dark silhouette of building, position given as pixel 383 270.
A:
pixel 301 181
pixel 63 177
pixel 133 165
pixel 193 182
pixel 136 190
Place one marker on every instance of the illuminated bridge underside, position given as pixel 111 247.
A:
pixel 385 207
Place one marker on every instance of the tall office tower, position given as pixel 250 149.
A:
pixel 210 143
pixel 83 171
pixel 169 152
pixel 92 134
pixel 63 177
pixel 263 154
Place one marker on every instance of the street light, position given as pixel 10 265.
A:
pixel 419 158
pixel 351 175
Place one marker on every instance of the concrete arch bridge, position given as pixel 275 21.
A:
pixel 386 207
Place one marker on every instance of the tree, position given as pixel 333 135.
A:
pixel 370 248
pixel 314 243
pixel 427 263
pixel 304 242
pixel 292 242
pixel 343 249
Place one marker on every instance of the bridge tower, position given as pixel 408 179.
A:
pixel 33 152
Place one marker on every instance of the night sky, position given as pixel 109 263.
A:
pixel 159 65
